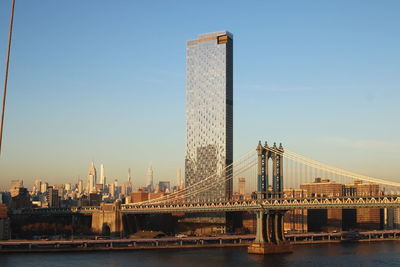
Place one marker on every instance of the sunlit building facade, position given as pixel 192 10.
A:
pixel 91 180
pixel 209 108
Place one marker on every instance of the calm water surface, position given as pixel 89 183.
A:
pixel 362 254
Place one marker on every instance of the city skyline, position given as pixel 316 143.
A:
pixel 340 98
pixel 97 179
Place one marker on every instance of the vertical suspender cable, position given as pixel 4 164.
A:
pixel 6 74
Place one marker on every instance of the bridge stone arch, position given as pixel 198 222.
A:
pixel 106 230
pixel 108 216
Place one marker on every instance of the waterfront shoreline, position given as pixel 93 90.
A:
pixel 356 254
pixel 172 247
pixel 94 249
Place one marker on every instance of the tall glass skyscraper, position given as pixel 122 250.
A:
pixel 209 108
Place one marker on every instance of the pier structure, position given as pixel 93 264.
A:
pixel 270 238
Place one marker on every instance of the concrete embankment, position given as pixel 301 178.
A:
pixel 125 244
pixel 124 248
pixel 18 246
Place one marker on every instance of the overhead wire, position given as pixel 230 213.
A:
pixel 3 109
pixel 337 171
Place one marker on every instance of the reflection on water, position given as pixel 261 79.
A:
pixel 349 254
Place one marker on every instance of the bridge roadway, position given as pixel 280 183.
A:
pixel 240 205
pixel 269 204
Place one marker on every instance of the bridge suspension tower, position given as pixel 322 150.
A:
pixel 270 225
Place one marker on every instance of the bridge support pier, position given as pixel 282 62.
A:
pixel 108 220
pixel 270 237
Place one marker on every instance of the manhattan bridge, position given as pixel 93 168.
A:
pixel 272 172
pixel 267 168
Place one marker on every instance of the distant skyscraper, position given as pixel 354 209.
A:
pixel 164 186
pixel 37 186
pixel 129 176
pixel 102 177
pixel 111 189
pixel 67 187
pixel 126 189
pixel 91 179
pixel 52 197
pixel 43 188
pixel 80 187
pixel 179 180
pixel 209 111
pixel 149 175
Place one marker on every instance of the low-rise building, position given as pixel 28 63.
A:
pixel 139 196
pixel 4 223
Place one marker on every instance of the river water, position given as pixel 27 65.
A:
pixel 344 254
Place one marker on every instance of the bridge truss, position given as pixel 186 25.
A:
pixel 265 173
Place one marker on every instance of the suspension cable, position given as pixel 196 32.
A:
pixel 6 74
pixel 321 166
pixel 197 188
pixel 186 190
pixel 204 188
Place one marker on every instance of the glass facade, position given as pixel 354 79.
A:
pixel 209 102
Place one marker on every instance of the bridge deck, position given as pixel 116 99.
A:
pixel 241 205
pixel 269 204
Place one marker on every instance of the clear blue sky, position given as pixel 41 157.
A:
pixel 105 80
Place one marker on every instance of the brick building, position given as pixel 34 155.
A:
pixel 366 219
pixel 139 196
pixel 4 222
pixel 326 220
pixel 336 219
pixel 295 220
